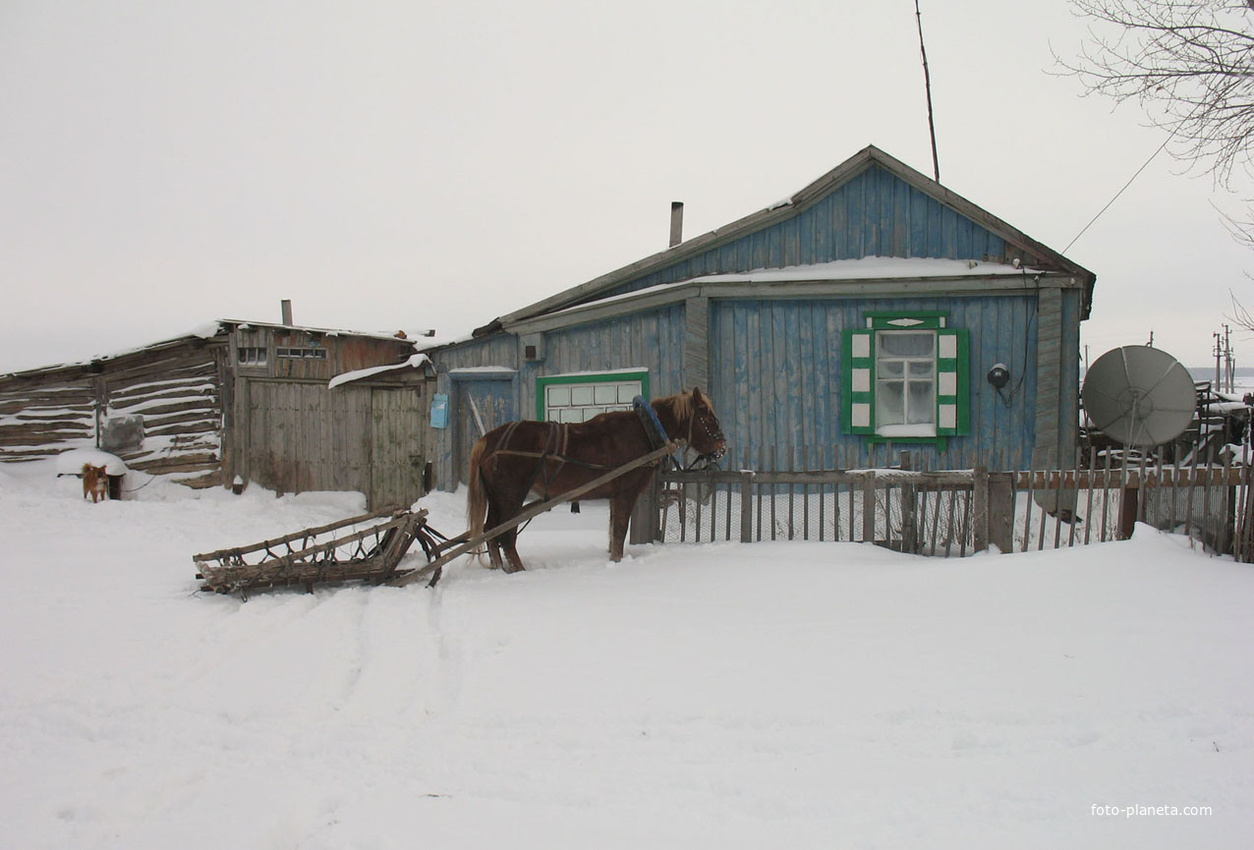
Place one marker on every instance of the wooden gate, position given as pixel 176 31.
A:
pixel 397 457
pixel 302 436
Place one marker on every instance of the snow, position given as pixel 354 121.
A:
pixel 805 695
pixel 871 268
pixel 863 269
pixel 71 462
pixel 414 361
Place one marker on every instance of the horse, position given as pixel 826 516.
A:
pixel 95 483
pixel 551 458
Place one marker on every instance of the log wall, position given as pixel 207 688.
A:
pixel 176 388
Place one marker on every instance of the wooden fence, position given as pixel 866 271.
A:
pixel 959 512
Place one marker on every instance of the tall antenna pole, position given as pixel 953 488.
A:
pixel 927 85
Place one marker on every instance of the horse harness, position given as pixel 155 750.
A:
pixel 555 447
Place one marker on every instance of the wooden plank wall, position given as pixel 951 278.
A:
pixel 875 214
pixel 776 375
pixel 654 339
pixel 177 391
pixel 39 419
pixel 302 436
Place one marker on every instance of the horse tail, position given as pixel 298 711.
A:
pixel 477 499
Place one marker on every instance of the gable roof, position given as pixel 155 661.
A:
pixel 1027 250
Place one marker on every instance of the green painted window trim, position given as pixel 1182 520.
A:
pixel 544 382
pixel 929 320
pixel 958 366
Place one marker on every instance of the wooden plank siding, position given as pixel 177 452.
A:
pixel 776 383
pixel 875 214
pixel 39 419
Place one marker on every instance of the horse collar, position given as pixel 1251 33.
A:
pixel 653 427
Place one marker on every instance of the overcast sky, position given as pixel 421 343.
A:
pixel 416 164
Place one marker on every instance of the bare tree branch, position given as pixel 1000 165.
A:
pixel 1189 64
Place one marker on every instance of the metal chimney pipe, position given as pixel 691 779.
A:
pixel 286 305
pixel 677 223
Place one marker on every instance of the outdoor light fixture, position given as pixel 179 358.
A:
pixel 999 375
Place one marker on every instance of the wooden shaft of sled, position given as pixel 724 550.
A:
pixel 535 509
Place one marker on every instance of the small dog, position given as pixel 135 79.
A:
pixel 95 482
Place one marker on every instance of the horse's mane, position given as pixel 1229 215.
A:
pixel 680 405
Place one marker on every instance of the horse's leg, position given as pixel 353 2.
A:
pixel 620 516
pixel 622 504
pixel 509 542
pixel 493 545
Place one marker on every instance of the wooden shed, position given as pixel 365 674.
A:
pixel 874 307
pixel 290 408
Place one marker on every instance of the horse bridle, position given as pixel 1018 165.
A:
pixel 709 459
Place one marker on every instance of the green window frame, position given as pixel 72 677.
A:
pixel 862 351
pixel 600 382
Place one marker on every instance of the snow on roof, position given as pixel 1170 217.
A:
pixel 866 268
pixel 869 268
pixel 408 337
pixel 72 462
pixel 415 361
pixel 211 329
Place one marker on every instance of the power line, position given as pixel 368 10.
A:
pixel 1120 192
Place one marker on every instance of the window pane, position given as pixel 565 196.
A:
pixel 921 369
pixel 558 396
pixel 907 344
pixel 922 405
pixel 605 393
pixel 581 395
pixel 892 368
pixel 890 401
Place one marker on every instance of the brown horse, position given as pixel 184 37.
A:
pixel 549 458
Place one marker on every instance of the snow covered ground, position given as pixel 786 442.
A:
pixel 766 695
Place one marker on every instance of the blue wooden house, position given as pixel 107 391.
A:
pixel 872 311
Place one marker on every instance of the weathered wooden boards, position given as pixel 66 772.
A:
pixel 176 389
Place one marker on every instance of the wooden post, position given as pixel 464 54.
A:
pixel 1128 506
pixel 644 527
pixel 868 507
pixel 909 511
pixel 979 495
pixel 746 506
pixel 1001 511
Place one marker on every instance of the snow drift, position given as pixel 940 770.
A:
pixel 802 695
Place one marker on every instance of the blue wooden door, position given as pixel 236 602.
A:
pixel 480 406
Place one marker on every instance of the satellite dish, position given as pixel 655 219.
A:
pixel 1139 396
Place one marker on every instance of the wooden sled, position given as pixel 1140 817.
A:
pixel 321 555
